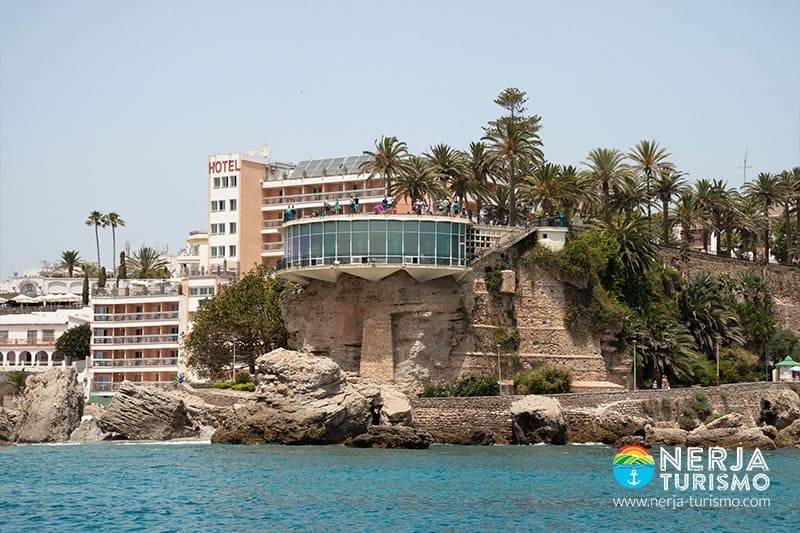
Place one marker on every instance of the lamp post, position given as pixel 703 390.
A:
pixel 766 364
pixel 717 350
pixel 634 365
pixel 233 362
pixel 499 376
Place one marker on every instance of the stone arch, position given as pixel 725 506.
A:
pixel 58 358
pixel 25 358
pixel 11 358
pixel 41 358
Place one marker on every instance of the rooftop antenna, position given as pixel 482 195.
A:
pixel 265 150
pixel 744 168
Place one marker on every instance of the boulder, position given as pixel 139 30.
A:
pixel 604 424
pixel 789 436
pixel 391 437
pixel 779 408
pixel 395 407
pixel 732 420
pixel 89 431
pixel 467 437
pixel 143 412
pixel 658 436
pixel 8 419
pixel 538 419
pixel 51 407
pixel 729 437
pixel 300 399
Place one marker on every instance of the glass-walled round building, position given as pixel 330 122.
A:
pixel 374 246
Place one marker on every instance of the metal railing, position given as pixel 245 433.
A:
pixel 134 362
pixel 122 317
pixel 331 196
pixel 28 342
pixel 267 246
pixel 272 223
pixel 137 339
pixel 159 289
pixel 105 386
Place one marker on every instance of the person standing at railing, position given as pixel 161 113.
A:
pixel 337 208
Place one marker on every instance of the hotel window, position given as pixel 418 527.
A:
pixel 233 181
pixel 216 183
pixel 232 227
pixel 48 335
pixel 232 250
pixel 3 334
pixel 32 335
pixel 233 205
pixel 224 181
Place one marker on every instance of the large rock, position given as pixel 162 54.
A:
pixel 8 419
pixel 142 412
pixel 538 419
pixel 395 407
pixel 729 437
pixel 391 437
pixel 665 436
pixel 779 408
pixel 608 424
pixel 89 431
pixel 789 436
pixel 301 399
pixel 51 408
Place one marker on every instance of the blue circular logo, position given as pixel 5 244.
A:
pixel 634 467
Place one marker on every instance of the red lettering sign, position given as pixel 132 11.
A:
pixel 229 165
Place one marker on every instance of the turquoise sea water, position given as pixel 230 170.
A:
pixel 203 487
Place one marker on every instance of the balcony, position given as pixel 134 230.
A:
pixel 137 339
pixel 272 246
pixel 105 386
pixel 272 223
pixel 51 342
pixel 135 362
pixel 164 288
pixel 378 192
pixel 135 317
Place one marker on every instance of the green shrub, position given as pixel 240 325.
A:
pixel 544 380
pixel 473 385
pixel 439 390
pixel 223 384
pixel 243 378
pixel 702 406
pixel 248 387
pixel 508 339
pixel 494 280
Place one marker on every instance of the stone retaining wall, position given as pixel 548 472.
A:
pixel 459 415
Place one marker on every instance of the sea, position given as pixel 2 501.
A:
pixel 200 486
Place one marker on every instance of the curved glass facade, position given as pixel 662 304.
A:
pixel 376 240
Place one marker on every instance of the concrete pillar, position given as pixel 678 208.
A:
pixel 5 359
pixel 49 358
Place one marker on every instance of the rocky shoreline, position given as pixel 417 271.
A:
pixel 305 399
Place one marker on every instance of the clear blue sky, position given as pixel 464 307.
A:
pixel 114 106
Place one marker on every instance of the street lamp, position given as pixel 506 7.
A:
pixel 499 377
pixel 634 365
pixel 718 339
pixel 233 363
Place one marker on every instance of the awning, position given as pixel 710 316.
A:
pixel 25 299
pixel 795 369
pixel 60 298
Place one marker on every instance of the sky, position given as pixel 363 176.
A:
pixel 115 106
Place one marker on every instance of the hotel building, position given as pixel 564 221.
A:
pixel 249 196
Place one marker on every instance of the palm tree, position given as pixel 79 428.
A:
pixel 708 313
pixel 766 191
pixel 388 160
pixel 551 187
pixel 668 185
pixel 686 213
pixel 147 263
pixel 417 182
pixel 704 195
pixel 96 219
pixel 450 166
pixel 634 248
pixel 720 203
pixel 512 141
pixel 480 165
pixel 114 220
pixel 606 166
pixel 628 195
pixel 70 260
pixel 649 159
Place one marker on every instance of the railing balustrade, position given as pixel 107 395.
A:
pixel 330 196
pixel 136 339
pixel 135 361
pixel 105 386
pixel 122 317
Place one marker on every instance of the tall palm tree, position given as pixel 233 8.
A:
pixel 668 185
pixel 686 213
pixel 147 263
pixel 543 188
pixel 635 249
pixel 704 195
pixel 628 195
pixel 417 182
pixel 388 160
pixel 114 220
pixel 649 159
pixel 606 166
pixel 720 203
pixel 767 192
pixel 450 166
pixel 70 260
pixel 481 166
pixel 96 219
pixel 511 142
